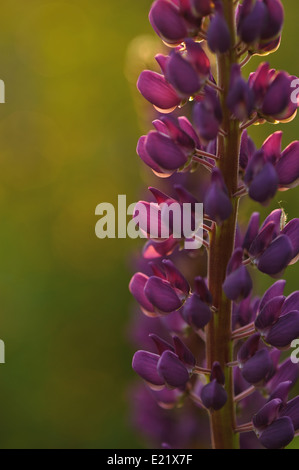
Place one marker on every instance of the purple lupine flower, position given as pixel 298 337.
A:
pixel 154 87
pixel 219 39
pixel 272 92
pixel 196 310
pixel 167 21
pixel 260 21
pixel 217 203
pixel 271 248
pixel 270 169
pixel 240 97
pixel 238 356
pixel 238 283
pixel 162 293
pixel 188 71
pixel 207 115
pixel 174 20
pixel 213 395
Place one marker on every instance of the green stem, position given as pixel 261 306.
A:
pixel 219 346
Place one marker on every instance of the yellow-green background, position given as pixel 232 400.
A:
pixel 68 133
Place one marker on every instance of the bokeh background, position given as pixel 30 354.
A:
pixel 68 133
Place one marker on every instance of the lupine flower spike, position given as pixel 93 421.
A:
pixel 213 356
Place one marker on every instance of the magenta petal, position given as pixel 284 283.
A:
pixel 172 370
pixel 145 364
pixel 157 90
pixel 161 294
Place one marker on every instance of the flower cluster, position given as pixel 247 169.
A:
pixel 202 330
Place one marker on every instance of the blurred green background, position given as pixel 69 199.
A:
pixel 68 133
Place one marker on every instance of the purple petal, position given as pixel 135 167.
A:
pixel 252 230
pixel 276 257
pixel 161 294
pixel 201 289
pixel 269 314
pixel 196 312
pixel 287 371
pixel 281 391
pixel 157 90
pixel 251 21
pixel 291 303
pixel 292 232
pixel 263 240
pixel 164 151
pixel 136 287
pixel 272 147
pixel 279 434
pixel 218 34
pixel 183 353
pixel 287 167
pixel 217 373
pixel 267 414
pixel 278 95
pixel 143 154
pixel 217 204
pixel 285 330
pixel 274 19
pixel 172 370
pixel 247 149
pixel 167 21
pixel 249 348
pixel 264 186
pixel 160 344
pixel 181 75
pixel 145 364
pixel 275 290
pixel 238 284
pixel 175 277
pixel 292 411
pixel 213 396
pixel 258 367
